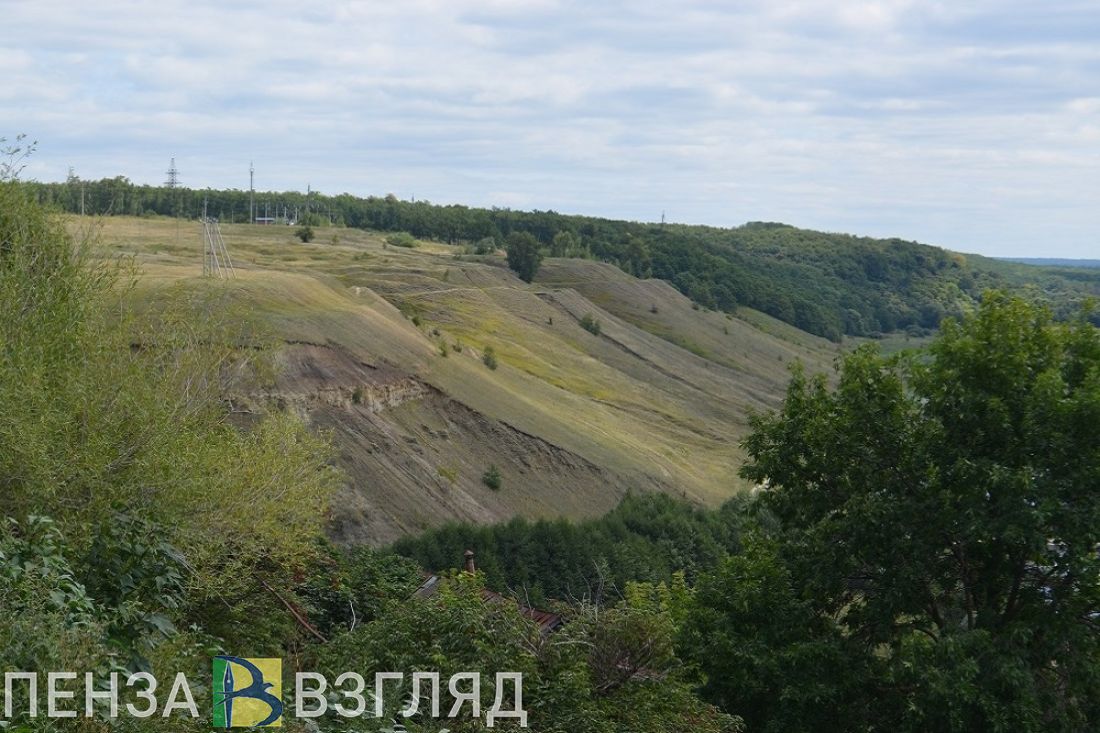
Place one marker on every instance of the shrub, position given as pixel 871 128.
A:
pixel 304 233
pixel 489 356
pixel 491 477
pixel 401 239
pixel 591 324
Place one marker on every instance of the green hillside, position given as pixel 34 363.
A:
pixel 384 346
pixel 827 284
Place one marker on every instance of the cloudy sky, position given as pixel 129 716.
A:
pixel 973 125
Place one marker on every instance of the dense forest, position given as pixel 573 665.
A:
pixel 831 285
pixel 646 538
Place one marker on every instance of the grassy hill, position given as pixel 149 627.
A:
pixel 383 346
pixel 832 285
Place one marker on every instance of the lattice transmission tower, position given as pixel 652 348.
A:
pixel 173 176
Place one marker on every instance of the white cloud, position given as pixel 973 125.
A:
pixel 968 124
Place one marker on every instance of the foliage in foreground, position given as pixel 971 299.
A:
pixel 608 669
pixel 937 566
pixel 139 525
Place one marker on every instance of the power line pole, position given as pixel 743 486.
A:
pixel 251 194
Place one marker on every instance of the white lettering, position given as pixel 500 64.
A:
pixel 188 704
pixel 54 695
pixel 517 700
pixel 32 693
pixel 91 695
pixel 150 687
pixel 379 679
pixel 317 693
pixel 414 702
pixel 473 696
pixel 356 695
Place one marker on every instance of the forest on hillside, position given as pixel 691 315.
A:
pixel 831 285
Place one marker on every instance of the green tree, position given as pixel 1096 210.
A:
pixel 564 243
pixel 524 256
pixel 939 524
pixel 114 425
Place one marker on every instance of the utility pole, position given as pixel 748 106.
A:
pixel 251 194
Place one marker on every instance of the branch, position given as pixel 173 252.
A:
pixel 294 612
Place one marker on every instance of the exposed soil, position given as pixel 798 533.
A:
pixel 415 457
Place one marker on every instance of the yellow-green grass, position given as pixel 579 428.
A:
pixel 662 396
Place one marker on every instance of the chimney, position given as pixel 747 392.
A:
pixel 470 567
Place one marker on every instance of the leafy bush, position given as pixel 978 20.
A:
pixel 401 239
pixel 591 324
pixel 129 448
pixel 491 477
pixel 304 233
pixel 489 357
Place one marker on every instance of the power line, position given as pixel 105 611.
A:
pixel 215 255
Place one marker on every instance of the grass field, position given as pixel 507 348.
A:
pixel 659 400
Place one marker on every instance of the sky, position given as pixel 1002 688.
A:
pixel 971 125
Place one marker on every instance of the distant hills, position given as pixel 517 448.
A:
pixel 1051 261
pixel 830 285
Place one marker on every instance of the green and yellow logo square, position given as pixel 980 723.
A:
pixel 247 692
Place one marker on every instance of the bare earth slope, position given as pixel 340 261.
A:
pixel 384 348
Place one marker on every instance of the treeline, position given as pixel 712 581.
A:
pixel 830 285
pixel 647 537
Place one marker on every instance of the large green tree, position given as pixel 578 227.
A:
pixel 937 550
pixel 523 255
